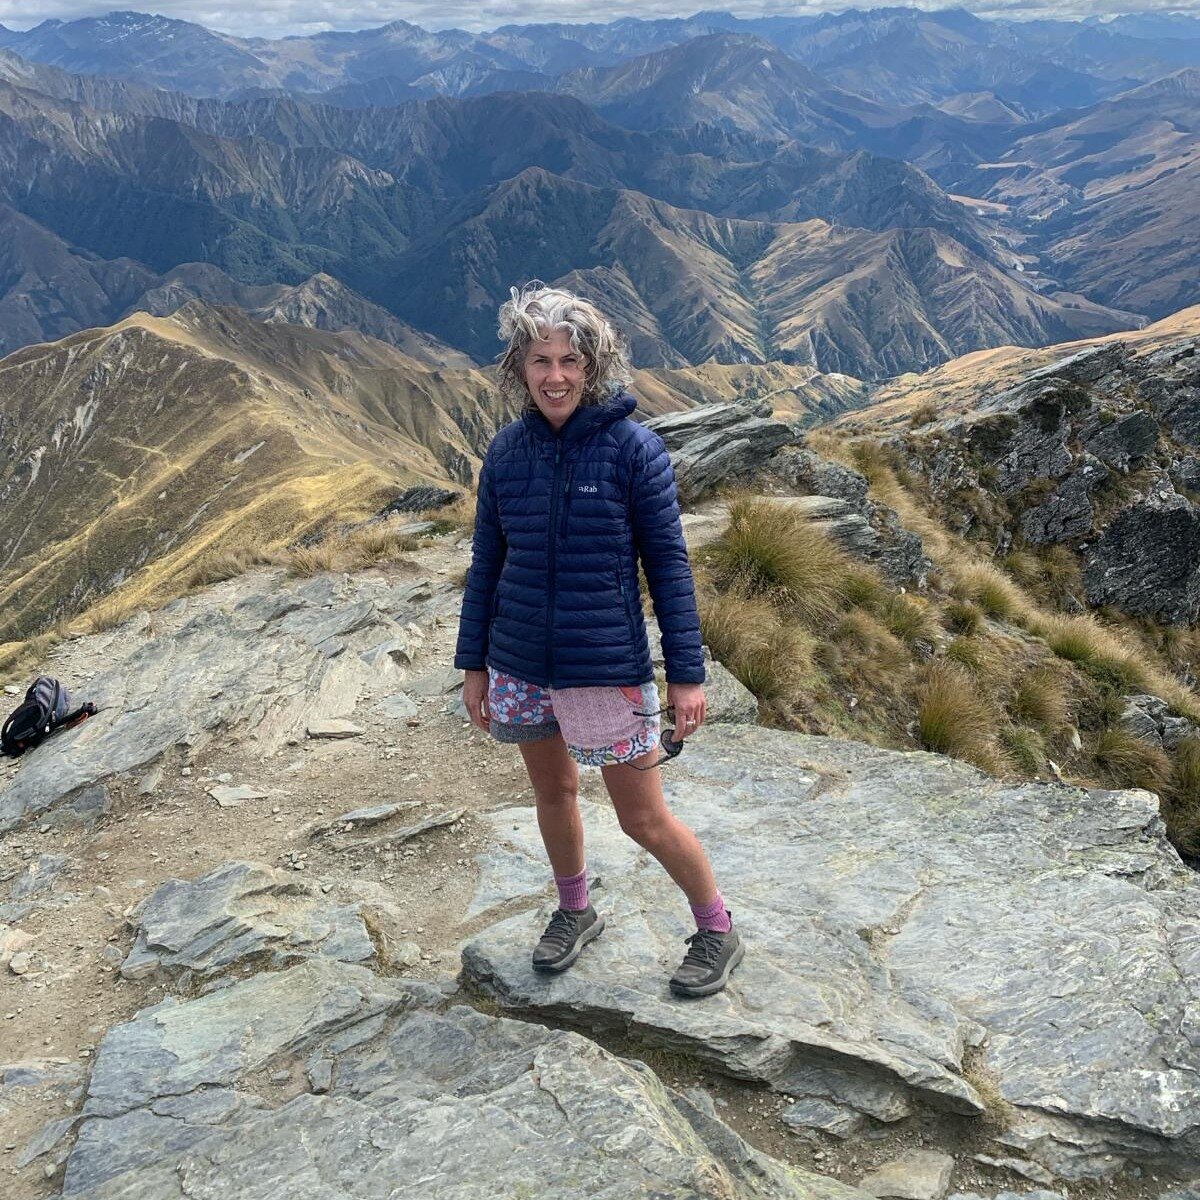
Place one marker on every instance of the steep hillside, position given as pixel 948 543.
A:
pixel 162 440
pixel 693 287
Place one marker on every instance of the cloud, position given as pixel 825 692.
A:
pixel 280 18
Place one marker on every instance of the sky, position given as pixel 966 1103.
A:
pixel 279 18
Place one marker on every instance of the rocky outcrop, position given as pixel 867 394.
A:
pixel 1150 718
pixel 1147 562
pixel 373 1089
pixel 1044 462
pixel 720 443
pixel 241 911
pixel 946 940
pixel 836 500
pixel 260 658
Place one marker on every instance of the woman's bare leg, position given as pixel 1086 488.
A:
pixel 642 810
pixel 555 779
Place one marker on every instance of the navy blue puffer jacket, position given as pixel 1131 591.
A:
pixel 552 595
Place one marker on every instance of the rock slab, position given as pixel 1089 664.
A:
pixel 945 936
pixel 407 1101
pixel 240 911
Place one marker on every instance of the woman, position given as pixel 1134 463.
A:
pixel 552 636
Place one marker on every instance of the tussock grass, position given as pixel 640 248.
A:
pixel 312 560
pixel 910 619
pixel 456 517
pixel 771 551
pixel 963 617
pixel 228 564
pixel 1097 651
pixel 1025 747
pixel 955 717
pixel 923 414
pixel 775 671
pixel 1041 697
pixel 1182 797
pixel 18 659
pixel 1131 762
pixel 864 587
pixel 863 632
pixel 110 612
pixel 872 458
pixel 375 544
pixel 989 588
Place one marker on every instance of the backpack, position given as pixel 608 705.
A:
pixel 46 710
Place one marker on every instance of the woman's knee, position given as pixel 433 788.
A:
pixel 647 827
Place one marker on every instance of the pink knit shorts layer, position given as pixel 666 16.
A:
pixel 600 725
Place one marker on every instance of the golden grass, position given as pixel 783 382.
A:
pixel 1024 747
pixel 456 517
pixel 1097 651
pixel 1130 761
pixel 955 717
pixel 963 617
pixel 910 618
pixel 864 633
pixel 1041 697
pixel 312 560
pixel 769 550
pixel 228 564
pixel 1182 797
pixel 775 672
pixel 991 590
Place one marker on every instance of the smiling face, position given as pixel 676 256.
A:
pixel 555 374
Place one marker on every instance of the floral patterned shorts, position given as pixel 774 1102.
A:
pixel 601 725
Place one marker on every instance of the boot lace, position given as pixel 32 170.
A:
pixel 561 930
pixel 704 948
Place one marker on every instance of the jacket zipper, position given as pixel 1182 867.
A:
pixel 553 540
pixel 566 517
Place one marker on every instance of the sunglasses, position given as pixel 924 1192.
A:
pixel 666 739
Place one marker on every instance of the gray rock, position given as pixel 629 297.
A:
pixel 419 499
pixel 728 699
pixel 39 876
pixel 373 814
pixel 1186 473
pixel 811 1112
pixel 1147 562
pixel 437 683
pixel 406 834
pixel 808 472
pixel 232 669
pixel 1066 515
pixel 916 1175
pixel 231 795
pixel 1126 442
pixel 241 911
pixel 397 707
pixel 334 727
pixel 405 1097
pixel 718 443
pixel 930 910
pixel 1018 1166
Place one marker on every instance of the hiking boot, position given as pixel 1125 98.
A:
pixel 567 934
pixel 710 958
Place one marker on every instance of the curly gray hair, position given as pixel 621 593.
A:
pixel 534 312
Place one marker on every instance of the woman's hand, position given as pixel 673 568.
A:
pixel 475 686
pixel 690 707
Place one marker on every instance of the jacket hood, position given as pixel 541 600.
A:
pixel 585 420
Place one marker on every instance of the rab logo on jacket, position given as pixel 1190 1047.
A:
pixel 588 487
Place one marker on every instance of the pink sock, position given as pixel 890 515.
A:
pixel 572 891
pixel 712 916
